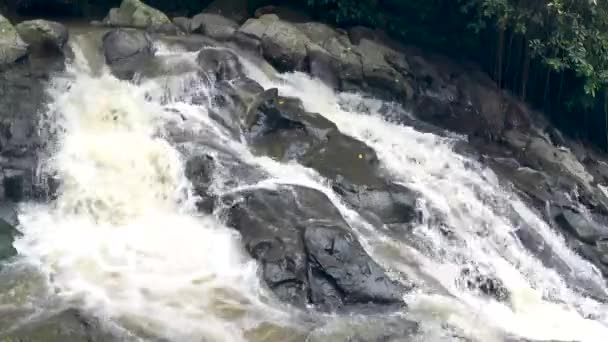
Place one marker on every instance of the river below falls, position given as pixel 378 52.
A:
pixel 124 243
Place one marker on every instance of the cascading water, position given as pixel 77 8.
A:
pixel 124 242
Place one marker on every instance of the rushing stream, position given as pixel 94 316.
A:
pixel 124 242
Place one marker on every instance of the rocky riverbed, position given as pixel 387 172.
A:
pixel 341 186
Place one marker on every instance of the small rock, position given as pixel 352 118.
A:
pixel 199 170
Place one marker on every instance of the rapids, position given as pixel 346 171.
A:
pixel 124 243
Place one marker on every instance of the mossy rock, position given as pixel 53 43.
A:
pixel 12 47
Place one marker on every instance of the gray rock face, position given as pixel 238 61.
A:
pixel 22 102
pixel 7 236
pixel 279 127
pixel 581 227
pixel 213 25
pixel 127 51
pixel 307 253
pixel 43 35
pixel 219 64
pixel 330 55
pixel 134 13
pixel 12 47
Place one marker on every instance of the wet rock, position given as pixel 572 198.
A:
pixel 213 25
pixel 127 51
pixel 43 36
pixel 69 325
pixel 199 170
pixel 12 47
pixel 341 156
pixel 183 24
pixel 134 13
pixel 281 128
pixel 219 64
pixel 334 51
pixel 306 250
pixel 7 236
pixel 385 204
pixel 336 258
pixel 581 227
pixel 476 280
pixel 232 99
pixel 283 45
pixel 23 101
pixel 602 249
pixel 379 76
pixel 323 66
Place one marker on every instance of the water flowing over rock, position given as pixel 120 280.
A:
pixel 307 253
pixel 209 180
pixel 127 51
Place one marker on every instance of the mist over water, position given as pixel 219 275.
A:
pixel 124 241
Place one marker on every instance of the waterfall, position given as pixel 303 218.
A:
pixel 124 242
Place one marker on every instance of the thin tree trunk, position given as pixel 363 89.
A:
pixel 546 91
pixel 526 72
pixel 499 53
pixel 509 57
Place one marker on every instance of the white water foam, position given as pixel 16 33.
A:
pixel 123 239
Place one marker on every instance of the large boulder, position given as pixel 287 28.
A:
pixel 219 64
pixel 333 54
pixel 134 13
pixel 279 127
pixel 43 35
pixel 23 99
pixel 127 51
pixel 583 228
pixel 213 25
pixel 282 43
pixel 12 47
pixel 307 252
